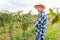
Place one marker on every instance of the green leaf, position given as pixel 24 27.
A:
pixel 55 20
pixel 52 12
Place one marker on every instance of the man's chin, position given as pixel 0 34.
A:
pixel 39 11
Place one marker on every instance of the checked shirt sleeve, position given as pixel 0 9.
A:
pixel 38 21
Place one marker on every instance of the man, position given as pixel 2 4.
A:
pixel 40 23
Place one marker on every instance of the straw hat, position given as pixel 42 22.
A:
pixel 41 5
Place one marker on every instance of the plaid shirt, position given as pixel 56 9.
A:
pixel 40 24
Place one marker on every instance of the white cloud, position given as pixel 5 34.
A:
pixel 27 5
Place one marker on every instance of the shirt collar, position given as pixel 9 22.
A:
pixel 43 13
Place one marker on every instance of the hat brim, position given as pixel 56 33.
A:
pixel 35 6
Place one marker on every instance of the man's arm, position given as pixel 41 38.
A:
pixel 38 22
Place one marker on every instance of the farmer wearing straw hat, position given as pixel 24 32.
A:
pixel 40 23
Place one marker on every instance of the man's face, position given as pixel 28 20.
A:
pixel 39 9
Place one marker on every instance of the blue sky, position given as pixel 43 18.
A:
pixel 26 5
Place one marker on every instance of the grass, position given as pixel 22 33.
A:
pixel 51 34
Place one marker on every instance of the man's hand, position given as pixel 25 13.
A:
pixel 34 21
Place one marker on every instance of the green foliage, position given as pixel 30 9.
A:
pixel 52 33
pixel 51 12
pixel 55 20
pixel 55 16
pixel 11 21
pixel 26 21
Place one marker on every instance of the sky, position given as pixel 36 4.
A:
pixel 27 5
